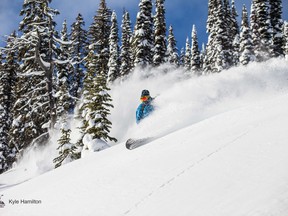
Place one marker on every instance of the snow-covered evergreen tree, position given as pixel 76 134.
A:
pixel 181 57
pixel 8 71
pixel 208 58
pixel 227 16
pixel 4 122
pixel 234 24
pixel 78 54
pixel 246 47
pixel 65 102
pixel 261 32
pixel 212 6
pixel 172 51
pixel 96 104
pixel 277 26
pixel 160 46
pixel 65 72
pixel 228 23
pixel 66 148
pixel 235 50
pixel 218 51
pixel 142 43
pixel 99 32
pixel 187 56
pixel 221 36
pixel 254 30
pixel 195 53
pixel 235 34
pixel 230 18
pixel 125 49
pixel 219 54
pixel 114 62
pixel 34 110
pixel 202 56
pixel 285 46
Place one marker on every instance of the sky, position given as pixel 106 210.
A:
pixel 181 14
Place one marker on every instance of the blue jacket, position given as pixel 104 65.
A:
pixel 143 110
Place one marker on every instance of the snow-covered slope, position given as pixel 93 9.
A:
pixel 229 159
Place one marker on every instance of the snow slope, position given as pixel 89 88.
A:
pixel 229 158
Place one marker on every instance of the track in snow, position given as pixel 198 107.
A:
pixel 187 169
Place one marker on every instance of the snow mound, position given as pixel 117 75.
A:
pixel 92 145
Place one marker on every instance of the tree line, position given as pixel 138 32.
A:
pixel 45 74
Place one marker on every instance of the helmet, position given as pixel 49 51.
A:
pixel 145 93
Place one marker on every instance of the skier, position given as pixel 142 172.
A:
pixel 145 108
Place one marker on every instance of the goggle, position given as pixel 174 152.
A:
pixel 144 98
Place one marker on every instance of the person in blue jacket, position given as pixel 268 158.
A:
pixel 145 108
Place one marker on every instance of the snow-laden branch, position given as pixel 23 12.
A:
pixel 38 57
pixel 44 63
pixel 63 42
pixel 57 61
pixel 33 73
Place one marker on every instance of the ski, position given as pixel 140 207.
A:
pixel 135 143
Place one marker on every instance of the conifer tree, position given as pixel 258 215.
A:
pixel 8 71
pixel 277 26
pixel 195 54
pixel 212 6
pixel 285 45
pixel 99 32
pixel 65 72
pixel 34 110
pixel 181 57
pixel 114 62
pixel 212 31
pixel 142 43
pixel 235 50
pixel 254 31
pixel 96 103
pixel 235 34
pixel 207 58
pixel 4 127
pixel 187 56
pixel 231 31
pixel 218 55
pixel 160 47
pixel 78 54
pixel 246 47
pixel 65 103
pixel 227 16
pixel 234 24
pixel 230 17
pixel 202 56
pixel 262 45
pixel 66 148
pixel 172 51
pixel 125 49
